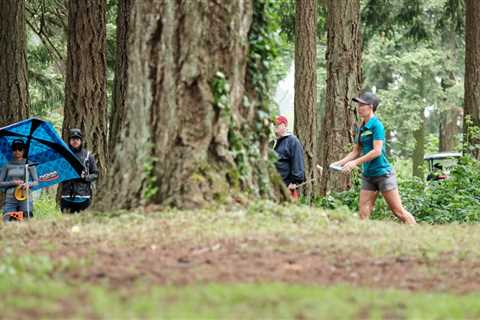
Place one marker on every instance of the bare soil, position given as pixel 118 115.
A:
pixel 250 260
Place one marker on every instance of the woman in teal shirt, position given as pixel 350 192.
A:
pixel 369 151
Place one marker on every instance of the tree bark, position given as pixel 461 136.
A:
pixel 120 82
pixel 472 78
pixel 86 82
pixel 449 129
pixel 305 126
pixel 388 143
pixel 14 101
pixel 343 83
pixel 419 151
pixel 191 133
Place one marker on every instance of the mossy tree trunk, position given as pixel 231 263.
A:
pixel 306 86
pixel 195 130
pixel 343 83
pixel 14 102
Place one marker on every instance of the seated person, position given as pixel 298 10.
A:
pixel 437 173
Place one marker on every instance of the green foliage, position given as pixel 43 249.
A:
pixel 264 40
pixel 46 52
pixel 241 148
pixel 285 10
pixel 45 205
pixel 151 185
pixel 453 16
pixel 409 85
pixel 456 199
pixel 472 142
pixel 47 27
pixel 413 59
pixel 412 20
pixel 264 66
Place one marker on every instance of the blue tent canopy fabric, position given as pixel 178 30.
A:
pixel 45 149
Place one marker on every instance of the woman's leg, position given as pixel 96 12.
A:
pixel 366 203
pixel 22 206
pixel 8 207
pixel 395 203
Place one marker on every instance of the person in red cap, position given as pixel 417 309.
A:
pixel 290 163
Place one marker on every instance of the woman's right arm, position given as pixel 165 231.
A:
pixel 351 156
pixel 3 176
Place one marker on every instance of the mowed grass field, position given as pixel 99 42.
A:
pixel 266 261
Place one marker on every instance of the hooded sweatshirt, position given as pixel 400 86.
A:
pixel 78 190
pixel 290 163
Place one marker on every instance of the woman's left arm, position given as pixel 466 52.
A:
pixel 33 176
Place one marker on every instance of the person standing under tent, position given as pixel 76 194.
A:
pixel 16 179
pixel 76 195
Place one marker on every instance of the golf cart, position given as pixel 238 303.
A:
pixel 440 164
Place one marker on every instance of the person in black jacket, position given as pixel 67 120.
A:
pixel 77 194
pixel 290 163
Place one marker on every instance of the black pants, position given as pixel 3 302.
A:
pixel 73 207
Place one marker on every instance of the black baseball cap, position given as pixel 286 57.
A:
pixel 18 144
pixel 75 133
pixel 368 98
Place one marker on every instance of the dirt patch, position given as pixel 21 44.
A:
pixel 249 260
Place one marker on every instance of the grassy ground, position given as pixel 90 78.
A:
pixel 266 261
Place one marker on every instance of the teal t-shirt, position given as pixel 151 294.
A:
pixel 373 130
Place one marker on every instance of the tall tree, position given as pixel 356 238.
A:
pixel 196 123
pixel 450 129
pixel 14 101
pixel 472 77
pixel 419 151
pixel 120 82
pixel 343 83
pixel 86 82
pixel 306 85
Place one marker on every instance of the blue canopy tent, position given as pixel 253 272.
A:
pixel 45 149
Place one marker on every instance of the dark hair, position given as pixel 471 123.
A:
pixel 18 144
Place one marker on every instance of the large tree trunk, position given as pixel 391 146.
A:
pixel 120 82
pixel 419 150
pixel 86 82
pixel 343 83
pixel 14 103
pixel 472 77
pixel 306 86
pixel 190 134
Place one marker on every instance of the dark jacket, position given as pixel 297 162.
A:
pixel 81 187
pixel 290 163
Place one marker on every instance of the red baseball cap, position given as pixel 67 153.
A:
pixel 281 119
